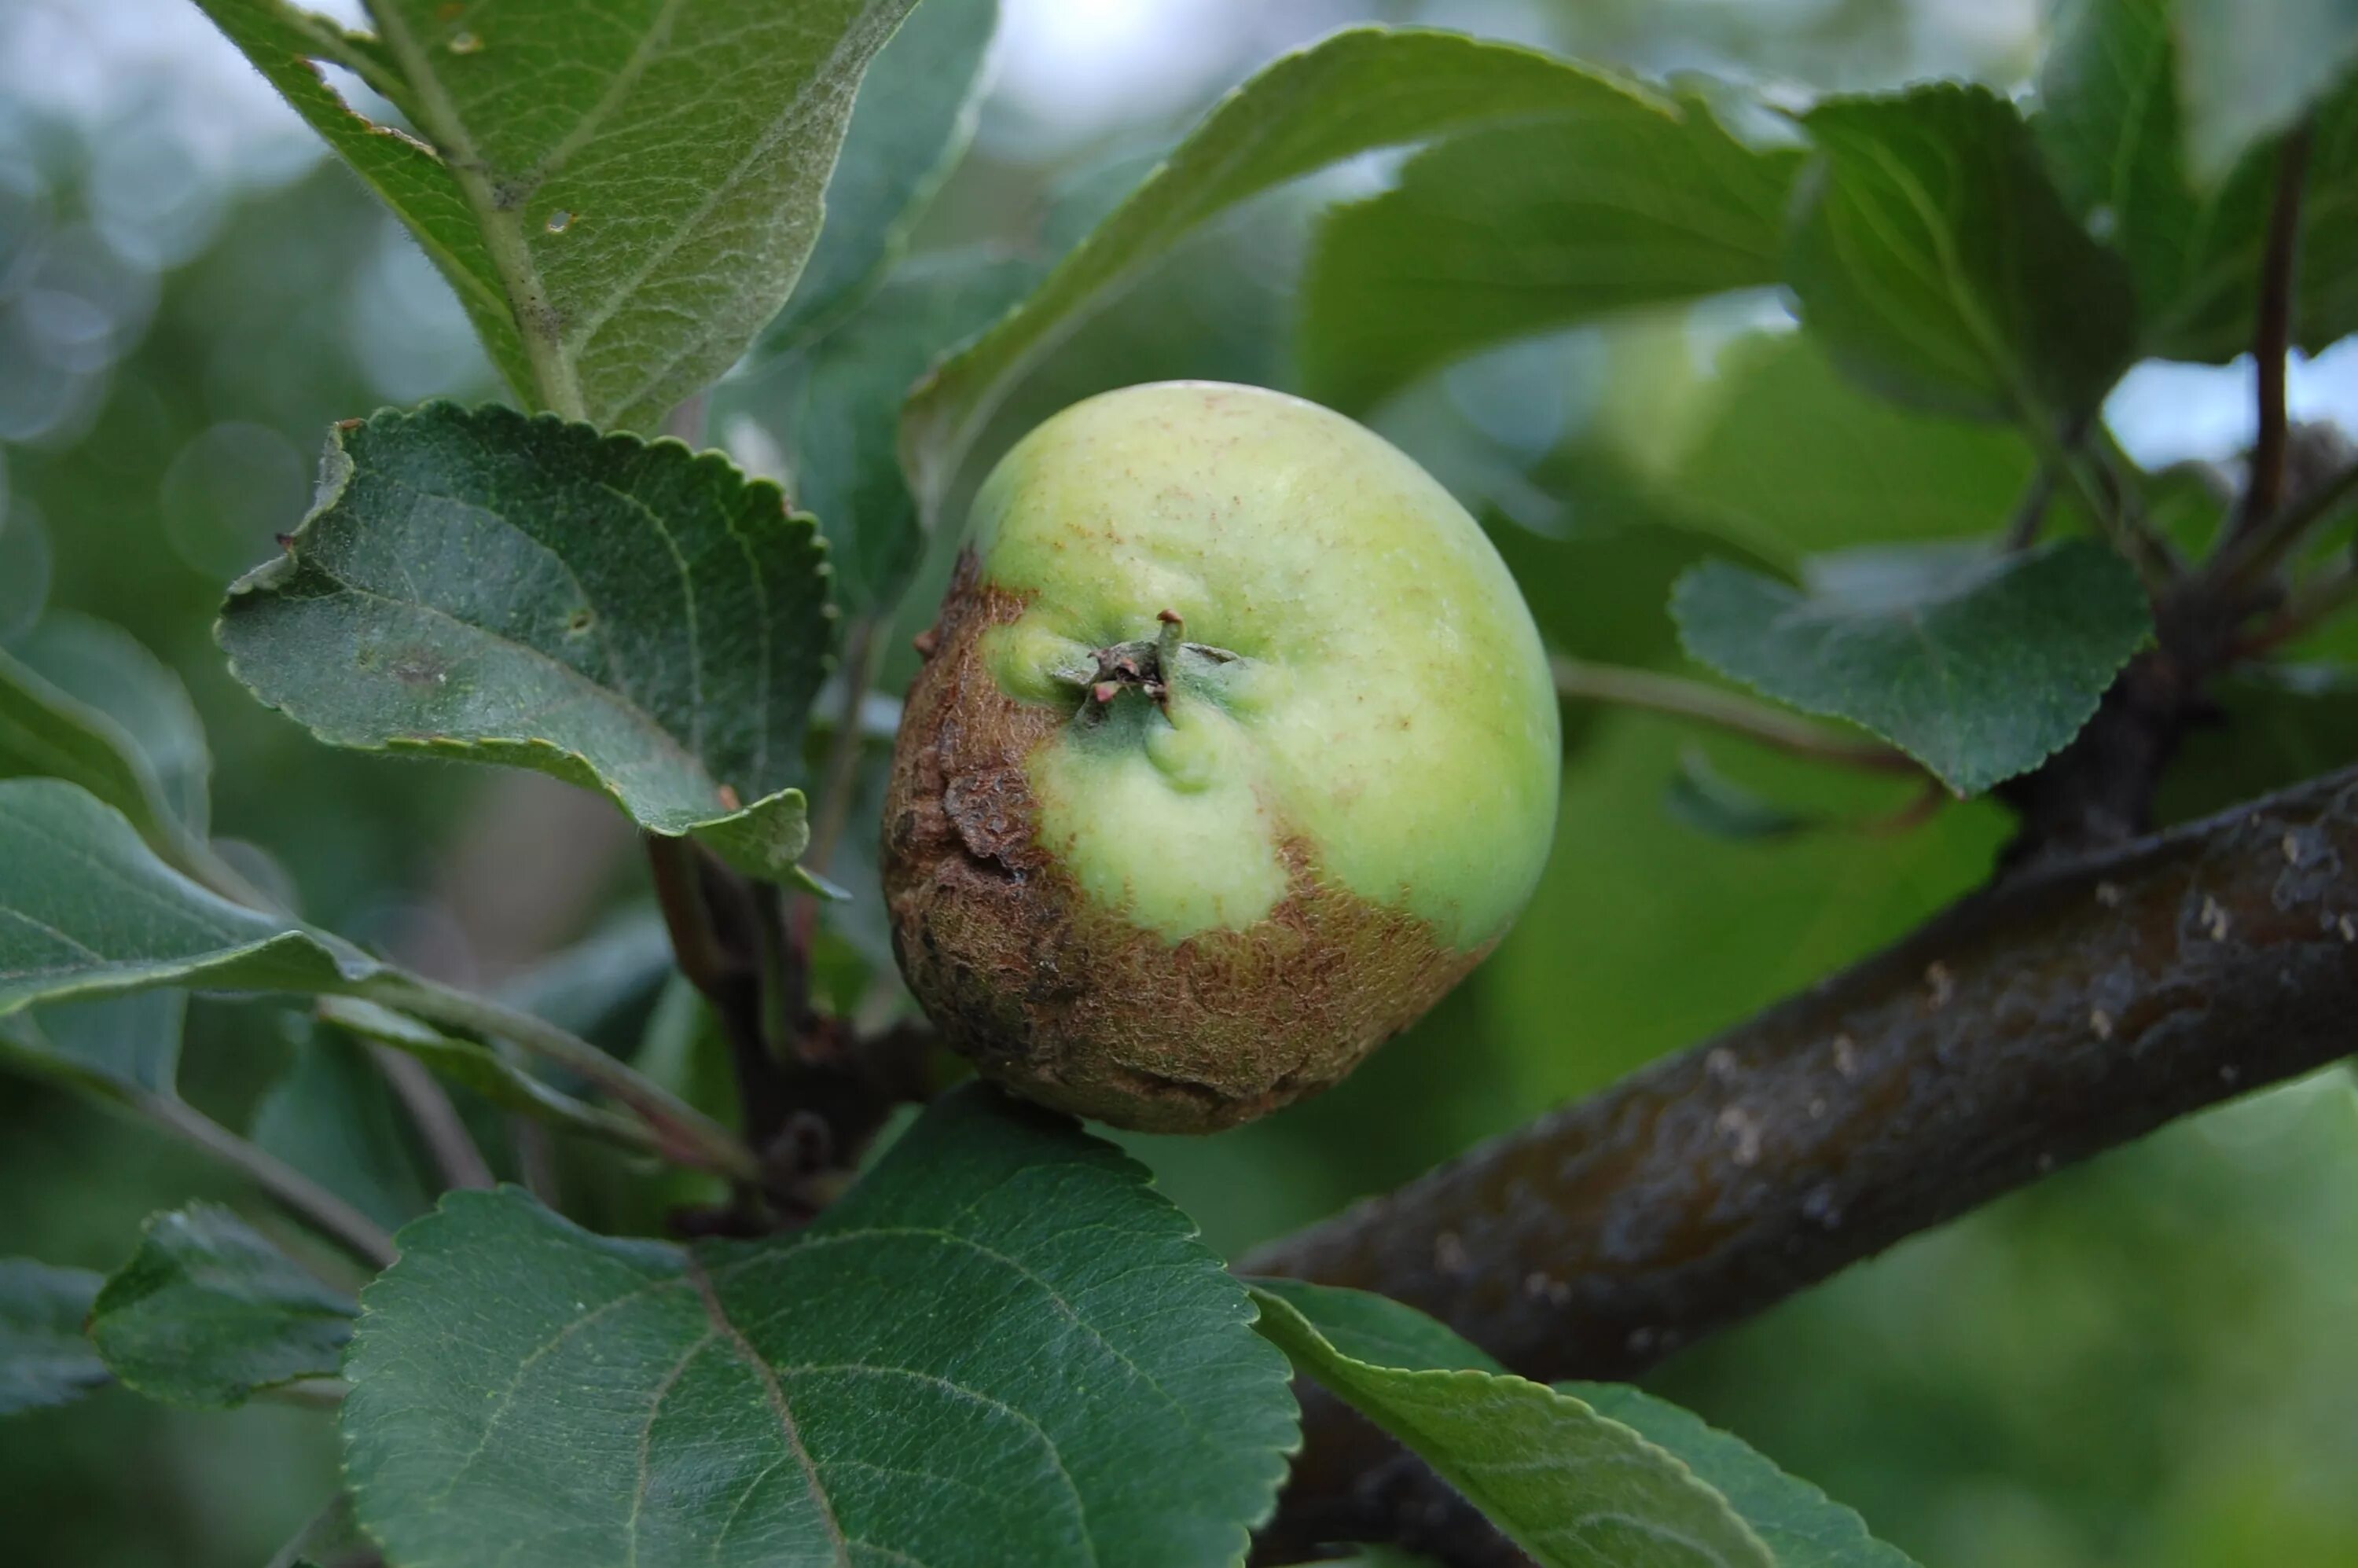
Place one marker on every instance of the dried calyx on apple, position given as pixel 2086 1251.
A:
pixel 1234 748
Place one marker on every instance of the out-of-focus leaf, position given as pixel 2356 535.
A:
pixel 1633 199
pixel 80 701
pixel 604 981
pixel 2248 69
pixel 625 616
pixel 1569 1486
pixel 118 1048
pixel 208 1313
pixel 475 1066
pixel 2111 128
pixel 1793 459
pixel 106 671
pixel 87 910
pixel 1801 1527
pixel 1979 665
pixel 1703 798
pixel 1353 92
pixel 24 568
pixel 332 1116
pixel 623 292
pixel 44 1357
pixel 845 421
pixel 332 1539
pixel 1003 1346
pixel 910 125
pixel 1936 263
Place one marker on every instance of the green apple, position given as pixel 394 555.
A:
pixel 1234 749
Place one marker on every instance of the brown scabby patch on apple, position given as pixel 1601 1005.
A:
pixel 1070 1003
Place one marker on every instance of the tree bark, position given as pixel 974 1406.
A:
pixel 2062 1012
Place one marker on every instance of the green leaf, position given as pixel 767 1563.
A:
pixel 635 193
pixel 1702 797
pixel 1791 459
pixel 2276 725
pixel 2111 127
pixel 914 115
pixel 843 424
pixel 208 1313
pixel 44 1357
pixel 476 1067
pixel 624 615
pixel 1939 266
pixel 409 177
pixel 1355 91
pixel 1002 1346
pixel 119 1048
pixel 87 910
pixel 23 568
pixel 1978 665
pixel 1569 1486
pixel 1801 1527
pixel 81 699
pixel 2250 68
pixel 1633 199
pixel 332 1116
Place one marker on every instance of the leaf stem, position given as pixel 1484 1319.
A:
pixel 437 1119
pixel 2249 556
pixel 1684 698
pixel 687 1135
pixel 297 1193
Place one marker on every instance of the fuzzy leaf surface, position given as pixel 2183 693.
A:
pixel 1935 261
pixel 627 616
pixel 1003 1346
pixel 1571 1487
pixel 209 1312
pixel 1978 665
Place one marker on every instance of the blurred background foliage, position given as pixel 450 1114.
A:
pixel 2143 1362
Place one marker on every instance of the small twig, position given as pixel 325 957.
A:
pixel 1685 698
pixel 299 1194
pixel 446 1139
pixel 2249 556
pixel 2030 512
pixel 2314 603
pixel 687 918
pixel 2272 337
pixel 688 1135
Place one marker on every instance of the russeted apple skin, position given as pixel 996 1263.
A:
pixel 1178 906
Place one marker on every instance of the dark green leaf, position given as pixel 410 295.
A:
pixel 1003 1346
pixel 331 1539
pixel 81 699
pixel 844 425
pixel 915 114
pixel 44 1357
pixel 1703 798
pixel 1632 199
pixel 1353 92
pixel 332 1116
pixel 1802 1526
pixel 87 910
pixel 2250 68
pixel 624 615
pixel 475 1066
pixel 2110 124
pixel 1979 665
pixel 623 199
pixel 1564 1483
pixel 283 42
pixel 208 1313
pixel 1937 264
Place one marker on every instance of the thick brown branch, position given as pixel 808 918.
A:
pixel 2064 1012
